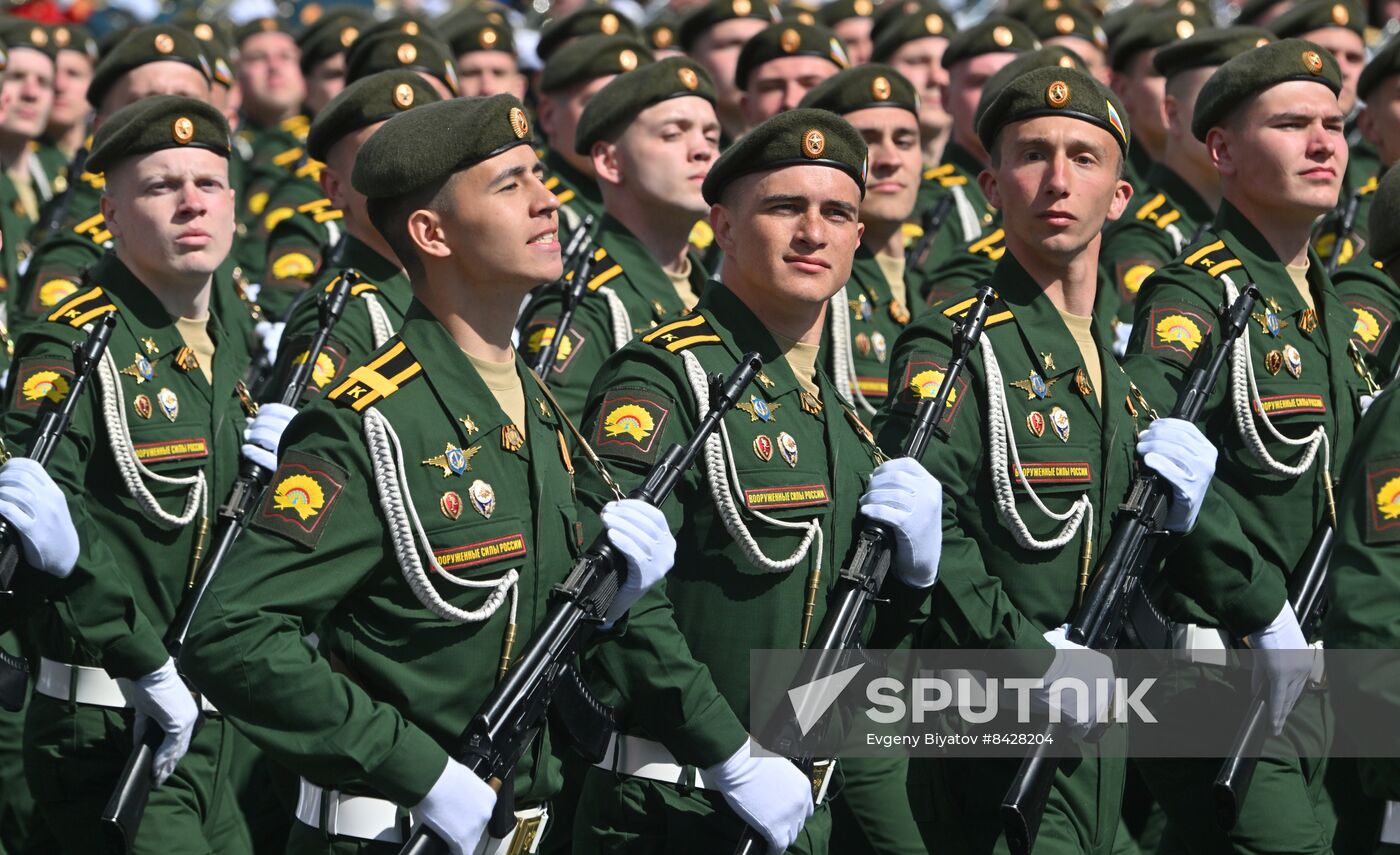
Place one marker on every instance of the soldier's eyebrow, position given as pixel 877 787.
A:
pixel 508 173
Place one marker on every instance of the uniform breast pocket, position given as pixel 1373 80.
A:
pixel 768 484
pixel 481 548
pixel 170 450
pixel 1293 404
pixel 1058 478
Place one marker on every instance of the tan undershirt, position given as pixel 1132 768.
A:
pixel 505 386
pixel 1088 349
pixel 196 336
pixel 1299 274
pixel 23 181
pixel 681 282
pixel 893 268
pixel 802 359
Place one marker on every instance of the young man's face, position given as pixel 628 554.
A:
pixel 717 50
pixel 896 162
pixel 1380 120
pixel 172 213
pixel 922 62
pixel 1095 58
pixel 501 224
pixel 789 234
pixel 1349 49
pixel 29 83
pixel 1142 91
pixel 269 74
pixel 559 113
pixel 664 155
pixel 1284 151
pixel 155 78
pixel 324 81
pixel 73 72
pixel 778 85
pixel 335 177
pixel 1056 182
pixel 854 34
pixel 1178 107
pixel 965 82
pixel 489 72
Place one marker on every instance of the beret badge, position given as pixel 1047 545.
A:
pixel 880 89
pixel 1057 94
pixel 403 96
pixel 813 143
pixel 790 41
pixel 688 78
pixel 164 43
pixel 518 123
pixel 1312 61
pixel 182 130
pixel 406 53
pixel 1003 37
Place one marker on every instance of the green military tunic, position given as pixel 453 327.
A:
pixel 628 293
pixel 971 214
pixel 964 268
pixel 375 312
pixel 1305 384
pixel 299 227
pixel 273 151
pixel 181 435
pixel 492 501
pixel 1375 299
pixel 679 674
pixel 865 319
pixel 578 194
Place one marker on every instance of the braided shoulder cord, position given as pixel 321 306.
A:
pixel 842 362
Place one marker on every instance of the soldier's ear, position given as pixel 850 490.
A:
pixel 723 228
pixel 330 185
pixel 1366 123
pixel 988 182
pixel 426 232
pixel 605 163
pixel 109 213
pixel 1221 155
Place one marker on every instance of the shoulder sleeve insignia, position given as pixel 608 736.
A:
pixel 1131 273
pixel 39 380
pixel 605 269
pixel 921 379
pixel 83 308
pixel 999 313
pixel 630 423
pixel 1176 331
pixel 1371 326
pixel 293 264
pixel 1383 507
pixel 379 378
pixel 54 290
pixel 1214 259
pixel 329 363
pixel 301 497
pixel 541 332
pixel 680 335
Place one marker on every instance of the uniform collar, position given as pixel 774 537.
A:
pixel 391 281
pixel 1182 195
pixel 741 331
pixel 638 265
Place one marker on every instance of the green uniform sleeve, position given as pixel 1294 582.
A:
pixel 587 345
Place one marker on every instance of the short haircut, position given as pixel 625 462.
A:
pixel 389 216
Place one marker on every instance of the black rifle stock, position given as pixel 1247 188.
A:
pixel 932 222
pixel 121 818
pixel 14 671
pixel 1307 595
pixel 1098 623
pixel 508 720
pixel 858 587
pixel 576 259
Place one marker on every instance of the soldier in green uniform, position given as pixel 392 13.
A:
pixel 323 46
pixel 67 128
pixel 151 448
pixel 573 75
pixel 713 35
pixel 973 56
pixel 383 297
pixel 762 523
pixel 592 20
pixel 870 313
pixel 485 52
pixel 651 136
pixel 29 79
pixel 387 48
pixel 1283 417
pixel 1077 29
pixel 1140 84
pixel 420 515
pixel 780 64
pixel 1014 570
pixel 1185 186
pixel 914 47
pixel 853 22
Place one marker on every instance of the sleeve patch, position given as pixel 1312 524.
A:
pixel 293 264
pixel 301 497
pixel 41 380
pixel 1383 507
pixel 329 363
pixel 1131 273
pixel 631 422
pixel 1371 326
pixel 54 290
pixel 1177 332
pixel 541 333
pixel 923 376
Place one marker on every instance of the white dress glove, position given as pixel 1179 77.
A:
pixel 640 532
pixel 905 497
pixel 38 511
pixel 264 434
pixel 271 334
pixel 1121 333
pixel 457 807
pixel 1088 666
pixel 1180 453
pixel 161 696
pixel 770 793
pixel 1284 675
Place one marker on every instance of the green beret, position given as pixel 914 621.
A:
pixel 365 102
pixel 1253 10
pixel 1383 65
pixel 1208 48
pixel 613 108
pixel 1385 213
pixel 155 124
pixel 591 57
pixel 259 25
pixel 1199 12
pixel 477 31
pixel 660 34
pixel 389 50
pixel 1070 21
pixel 1054 91
pixel 407 23
pixel 717 11
pixel 1050 56
pixel 841 10
pixel 1024 10
pixel 909 28
pixel 1151 31
pixel 142 46
pixel 997 34
pixel 332 34
pixel 425 146
pixel 23 33
pixel 1310 15
pixel 589 21
pixel 863 87
pixel 1254 71
pixel 777 41
pixel 74 37
pixel 793 138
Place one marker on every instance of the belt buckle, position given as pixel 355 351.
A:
pixel 523 838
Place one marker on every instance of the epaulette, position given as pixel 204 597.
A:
pixel 998 313
pixel 946 175
pixel 95 180
pixel 1214 259
pixel 565 196
pixel 680 335
pixel 1158 212
pixel 605 269
pixel 1369 187
pixel 95 229
pixel 993 245
pixel 356 290
pixel 298 126
pixel 378 379
pixel 288 158
pixel 310 169
pixel 83 308
pixel 321 210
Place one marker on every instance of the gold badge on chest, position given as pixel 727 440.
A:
pixel 511 438
pixel 450 504
pixel 185 360
pixel 141 369
pixel 453 460
pixel 758 409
